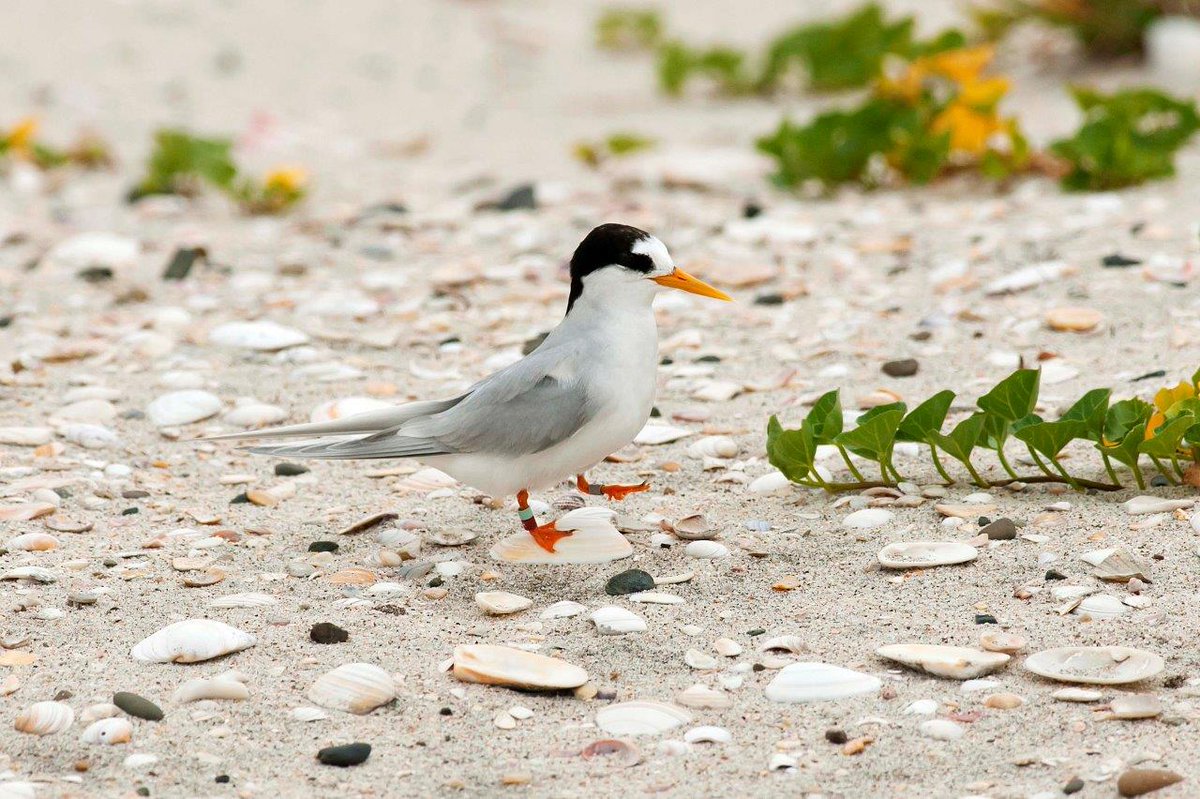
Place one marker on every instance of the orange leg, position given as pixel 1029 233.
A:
pixel 546 535
pixel 617 493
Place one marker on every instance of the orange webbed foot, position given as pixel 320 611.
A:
pixel 547 536
pixel 618 493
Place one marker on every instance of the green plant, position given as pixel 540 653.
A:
pixel 1166 433
pixel 628 29
pixel 21 141
pixel 615 145
pixel 1126 138
pixel 1105 28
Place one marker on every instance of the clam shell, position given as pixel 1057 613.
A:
pixel 501 603
pixel 660 434
pixel 952 662
pixel 562 610
pixel 784 643
pixel 1095 665
pixel 641 718
pixel 819 682
pixel 262 335
pixel 353 687
pixel 216 688
pixel 1100 607
pixel 702 696
pixel 706 550
pixel 192 641
pixel 353 576
pixel 694 528
pixel 108 731
pixel 612 620
pixel 1144 504
pixel 44 718
pixel 964 511
pixel 925 554
pixel 713 447
pixel 248 600
pixel 502 665
pixel 593 539
pixel 770 483
pixel 708 734
pixel 182 407
pixel 1117 565
pixel 33 542
pixel 453 537
pixel 100 710
pixel 621 752
pixel 868 518
pixel 309 714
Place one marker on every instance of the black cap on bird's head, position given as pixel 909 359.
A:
pixel 632 249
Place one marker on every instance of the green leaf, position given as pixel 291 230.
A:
pixel 628 29
pixel 791 451
pixel 926 419
pixel 962 439
pixel 1013 397
pixel 1192 435
pixel 1090 409
pixel 678 64
pixel 1049 438
pixel 1167 438
pixel 179 156
pixel 875 434
pixel 1123 416
pixel 825 418
pixel 1127 450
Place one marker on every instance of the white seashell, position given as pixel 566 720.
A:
pixel 216 688
pixel 925 554
pixel 254 414
pixel 1028 277
pixel 702 696
pixel 952 662
pixel 593 539
pixel 248 600
pixel 819 682
pixel 35 573
pixel 921 707
pixel 101 710
pixel 26 436
pixel 354 688
pixel 708 734
pixel 640 718
pixel 501 603
pixel 699 660
pixel 182 407
pixel 1095 665
pixel 868 518
pixel 26 511
pixel 562 610
pixel 502 665
pixel 192 641
pixel 1077 695
pixel 309 714
pixel 1144 504
pixel 974 686
pixel 655 598
pixel 1100 607
pixel 453 537
pixel 785 643
pixel 694 528
pixel 706 550
pixel 1007 643
pixel 140 761
pixel 33 542
pixel 263 336
pixel 1135 706
pixel 963 511
pixel 660 434
pixel 713 447
pixel 727 647
pixel 770 483
pixel 426 480
pixel 612 620
pixel 95 248
pixel 346 407
pixel 108 731
pixel 717 391
pixel 44 718
pixel 90 436
pixel 781 761
pixel 1116 565
pixel 941 729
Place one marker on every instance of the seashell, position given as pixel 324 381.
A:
pixel 1008 643
pixel 26 436
pixel 1003 701
pixel 612 620
pixel 33 542
pixel 309 714
pixel 26 511
pixel 95 248
pixel 101 710
pixel 640 718
pixel 1028 277
pixel 921 707
pixel 354 688
pixel 593 539
pixel 425 480
pixel 770 483
pixel 35 573
pixel 784 643
pixel 706 550
pixel 182 407
pixel 952 662
pixel 613 750
pixel 140 760
pixel 694 528
pixel 1139 781
pixel 248 600
pixel 941 729
pixel 562 610
pixel 192 641
pixel 1100 607
pixel 1077 695
pixel 108 731
pixel 1144 504
pixel 727 647
pixel 216 688
pixel 655 598
pixel 205 578
pixel 925 554
pixel 453 537
pixel 1095 665
pixel 702 696
pixel 1135 706
pixel 781 761
pixel 868 518
pixel 254 414
pixel 501 603
pixel 819 682
pixel 660 434
pixel 699 660
pixel 963 511
pixel 1073 319
pixel 354 576
pixel 61 525
pixel 502 665
pixel 707 734
pixel 1117 565
pixel 44 718
pixel 713 447
pixel 404 542
pixel 262 336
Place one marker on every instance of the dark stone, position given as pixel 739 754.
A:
pixel 143 791
pixel 983 521
pixel 182 261
pixel 985 618
pixel 95 274
pixel 1055 574
pixel 240 499
pixel 1159 481
pixel 709 359
pixel 286 469
pixel 133 413
pixel 756 631
pixel 129 511
pixel 5 321
pixel 533 343
pixel 135 493
pixel 446 711
pixel 323 546
pixel 344 755
pixel 655 413
pixel 629 582
pixel 377 252
pixel 222 778
pixel 836 736
pixel 520 198
pixel 751 209
pixel 1074 786
pixel 326 633
pixel 769 299
pixel 1151 375
pixel 904 368
pixel 137 706
pixel 1118 261
pixel 921 335
pixel 1000 530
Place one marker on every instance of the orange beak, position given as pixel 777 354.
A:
pixel 681 280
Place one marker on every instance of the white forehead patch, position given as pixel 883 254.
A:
pixel 657 252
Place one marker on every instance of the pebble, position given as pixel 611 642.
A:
pixel 631 581
pixel 1002 529
pixel 327 633
pixel 1139 781
pixel 137 706
pixel 903 368
pixel 344 755
pixel 1072 319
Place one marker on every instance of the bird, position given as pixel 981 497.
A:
pixel 582 394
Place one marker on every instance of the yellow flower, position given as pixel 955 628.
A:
pixel 969 129
pixel 287 180
pixel 20 137
pixel 983 94
pixel 961 66
pixel 1164 400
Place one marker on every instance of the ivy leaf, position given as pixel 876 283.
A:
pixel 1123 416
pixel 963 438
pixel 1192 435
pixel 1090 409
pixel 678 64
pixel 1013 397
pixel 1165 440
pixel 1126 451
pixel 926 419
pixel 790 451
pixel 875 434
pixel 1049 438
pixel 825 418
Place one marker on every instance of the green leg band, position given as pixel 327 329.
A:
pixel 525 513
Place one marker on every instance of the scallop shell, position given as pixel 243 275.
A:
pixel 1100 607
pixel 952 662
pixel 216 688
pixel 353 687
pixel 44 718
pixel 33 542
pixel 819 682
pixel 713 447
pixel 501 603
pixel 706 550
pixel 1095 665
pixel 660 434
pixel 612 620
pixel 249 600
pixel 192 641
pixel 502 665
pixel 694 528
pixel 1117 565
pixel 108 731
pixel 641 718
pixel 925 554
pixel 593 539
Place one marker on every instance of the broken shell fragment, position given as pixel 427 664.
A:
pixel 925 554
pixel 952 662
pixel 1117 565
pixel 215 688
pixel 355 688
pixel 503 665
pixel 192 641
pixel 819 682
pixel 501 603
pixel 1095 665
pixel 613 620
pixel 33 542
